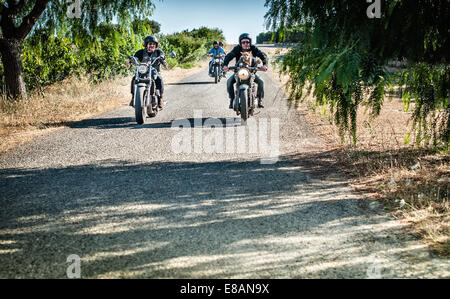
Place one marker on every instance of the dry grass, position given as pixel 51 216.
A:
pixel 413 184
pixel 56 106
pixel 72 100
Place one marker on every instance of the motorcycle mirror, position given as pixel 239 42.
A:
pixel 173 54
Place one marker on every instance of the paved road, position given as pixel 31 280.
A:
pixel 197 201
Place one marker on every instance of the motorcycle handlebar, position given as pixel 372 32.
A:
pixel 134 60
pixel 247 67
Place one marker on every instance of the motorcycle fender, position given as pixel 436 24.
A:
pixel 139 85
pixel 244 87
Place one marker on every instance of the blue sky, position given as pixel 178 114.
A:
pixel 232 16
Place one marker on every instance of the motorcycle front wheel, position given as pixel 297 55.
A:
pixel 216 74
pixel 243 104
pixel 139 105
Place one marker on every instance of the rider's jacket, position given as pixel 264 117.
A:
pixel 142 55
pixel 216 52
pixel 236 53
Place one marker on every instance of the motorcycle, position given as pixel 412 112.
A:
pixel 245 99
pixel 146 96
pixel 217 66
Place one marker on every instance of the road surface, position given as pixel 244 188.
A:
pixel 193 194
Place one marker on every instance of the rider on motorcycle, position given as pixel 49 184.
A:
pixel 216 51
pixel 245 45
pixel 221 45
pixel 151 51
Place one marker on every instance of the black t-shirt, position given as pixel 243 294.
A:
pixel 143 55
pixel 236 53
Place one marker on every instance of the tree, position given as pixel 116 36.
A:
pixel 344 51
pixel 154 26
pixel 12 37
pixel 19 17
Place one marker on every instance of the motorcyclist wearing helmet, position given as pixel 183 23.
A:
pixel 221 45
pixel 151 50
pixel 216 51
pixel 245 45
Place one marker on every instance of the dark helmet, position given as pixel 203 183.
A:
pixel 215 43
pixel 245 36
pixel 220 44
pixel 150 39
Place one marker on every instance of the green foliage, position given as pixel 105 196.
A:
pixel 172 62
pixel 342 55
pixel 22 19
pixel 146 24
pixel 187 47
pixel 47 59
pixel 51 57
pixel 281 36
pixel 190 45
pixel 429 86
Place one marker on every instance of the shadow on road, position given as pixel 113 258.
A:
pixel 184 220
pixel 191 83
pixel 130 122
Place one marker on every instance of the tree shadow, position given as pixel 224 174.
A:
pixel 190 83
pixel 226 219
pixel 130 122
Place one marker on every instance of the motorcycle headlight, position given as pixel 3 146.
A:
pixel 217 60
pixel 142 69
pixel 244 74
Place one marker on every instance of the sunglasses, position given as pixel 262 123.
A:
pixel 245 42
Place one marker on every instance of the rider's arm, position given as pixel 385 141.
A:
pixel 261 55
pixel 138 55
pixel 230 56
pixel 163 60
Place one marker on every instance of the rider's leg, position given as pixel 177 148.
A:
pixel 132 92
pixel 260 92
pixel 210 68
pixel 160 86
pixel 230 87
pixel 224 74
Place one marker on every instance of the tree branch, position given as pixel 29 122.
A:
pixel 28 22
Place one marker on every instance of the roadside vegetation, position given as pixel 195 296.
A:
pixel 377 90
pixel 75 68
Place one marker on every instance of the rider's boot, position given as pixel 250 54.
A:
pixel 161 102
pixel 231 104
pixel 132 101
pixel 260 103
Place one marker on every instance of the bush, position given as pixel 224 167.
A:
pixel 190 46
pixel 187 48
pixel 172 62
pixel 47 59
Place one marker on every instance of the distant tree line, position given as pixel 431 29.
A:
pixel 281 36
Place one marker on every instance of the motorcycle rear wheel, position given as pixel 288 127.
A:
pixel 152 112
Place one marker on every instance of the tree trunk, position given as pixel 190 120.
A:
pixel 12 66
